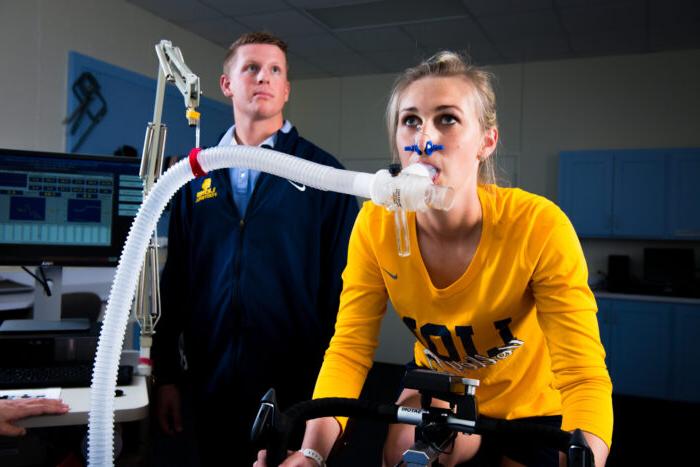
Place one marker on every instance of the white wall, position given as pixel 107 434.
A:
pixel 36 36
pixel 634 101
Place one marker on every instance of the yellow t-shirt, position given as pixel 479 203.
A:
pixel 521 319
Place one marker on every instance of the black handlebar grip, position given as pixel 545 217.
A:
pixel 341 407
pixel 543 435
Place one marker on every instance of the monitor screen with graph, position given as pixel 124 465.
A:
pixel 65 209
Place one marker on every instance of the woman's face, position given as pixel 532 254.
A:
pixel 443 110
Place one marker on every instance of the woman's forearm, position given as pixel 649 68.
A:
pixel 599 448
pixel 321 434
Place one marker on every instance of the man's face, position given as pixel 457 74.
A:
pixel 256 81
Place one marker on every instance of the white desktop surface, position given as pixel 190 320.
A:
pixel 131 406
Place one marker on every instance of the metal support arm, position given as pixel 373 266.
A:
pixel 172 69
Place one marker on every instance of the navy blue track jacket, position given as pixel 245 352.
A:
pixel 256 296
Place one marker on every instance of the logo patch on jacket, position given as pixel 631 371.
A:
pixel 207 191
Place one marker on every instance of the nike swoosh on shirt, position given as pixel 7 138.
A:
pixel 393 276
pixel 298 186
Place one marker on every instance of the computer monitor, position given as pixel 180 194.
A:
pixel 671 270
pixel 63 210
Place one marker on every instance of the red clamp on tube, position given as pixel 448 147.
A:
pixel 194 163
pixel 145 361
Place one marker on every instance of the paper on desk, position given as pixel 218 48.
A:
pixel 44 393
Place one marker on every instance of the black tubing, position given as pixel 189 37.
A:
pixel 342 407
pixel 543 435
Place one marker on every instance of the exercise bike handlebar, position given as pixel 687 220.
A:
pixel 276 427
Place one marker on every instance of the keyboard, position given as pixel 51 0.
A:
pixel 65 376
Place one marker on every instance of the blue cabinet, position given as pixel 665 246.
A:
pixel 605 324
pixel 651 348
pixel 650 193
pixel 683 205
pixel 639 195
pixel 686 361
pixel 641 349
pixel 586 181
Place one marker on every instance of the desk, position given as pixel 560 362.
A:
pixel 131 406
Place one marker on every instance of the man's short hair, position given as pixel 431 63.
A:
pixel 258 37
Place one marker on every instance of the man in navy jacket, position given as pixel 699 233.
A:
pixel 253 275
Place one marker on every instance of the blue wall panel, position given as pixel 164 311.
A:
pixel 130 98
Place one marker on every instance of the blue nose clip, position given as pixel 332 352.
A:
pixel 429 148
pixel 412 148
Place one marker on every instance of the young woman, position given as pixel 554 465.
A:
pixel 495 289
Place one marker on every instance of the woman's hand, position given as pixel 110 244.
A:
pixel 294 459
pixel 320 434
pixel 598 448
pixel 17 409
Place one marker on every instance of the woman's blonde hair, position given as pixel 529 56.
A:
pixel 447 64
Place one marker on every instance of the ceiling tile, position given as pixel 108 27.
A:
pixel 677 39
pixel 177 10
pixel 387 13
pixel 311 45
pixel 245 7
pixel 484 8
pixel 675 24
pixel 484 54
pixel 222 31
pixel 592 3
pixel 377 39
pixel 609 42
pixel 395 34
pixel 535 48
pixel 669 14
pixel 528 24
pixel 606 17
pixel 285 23
pixel 458 33
pixel 328 3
